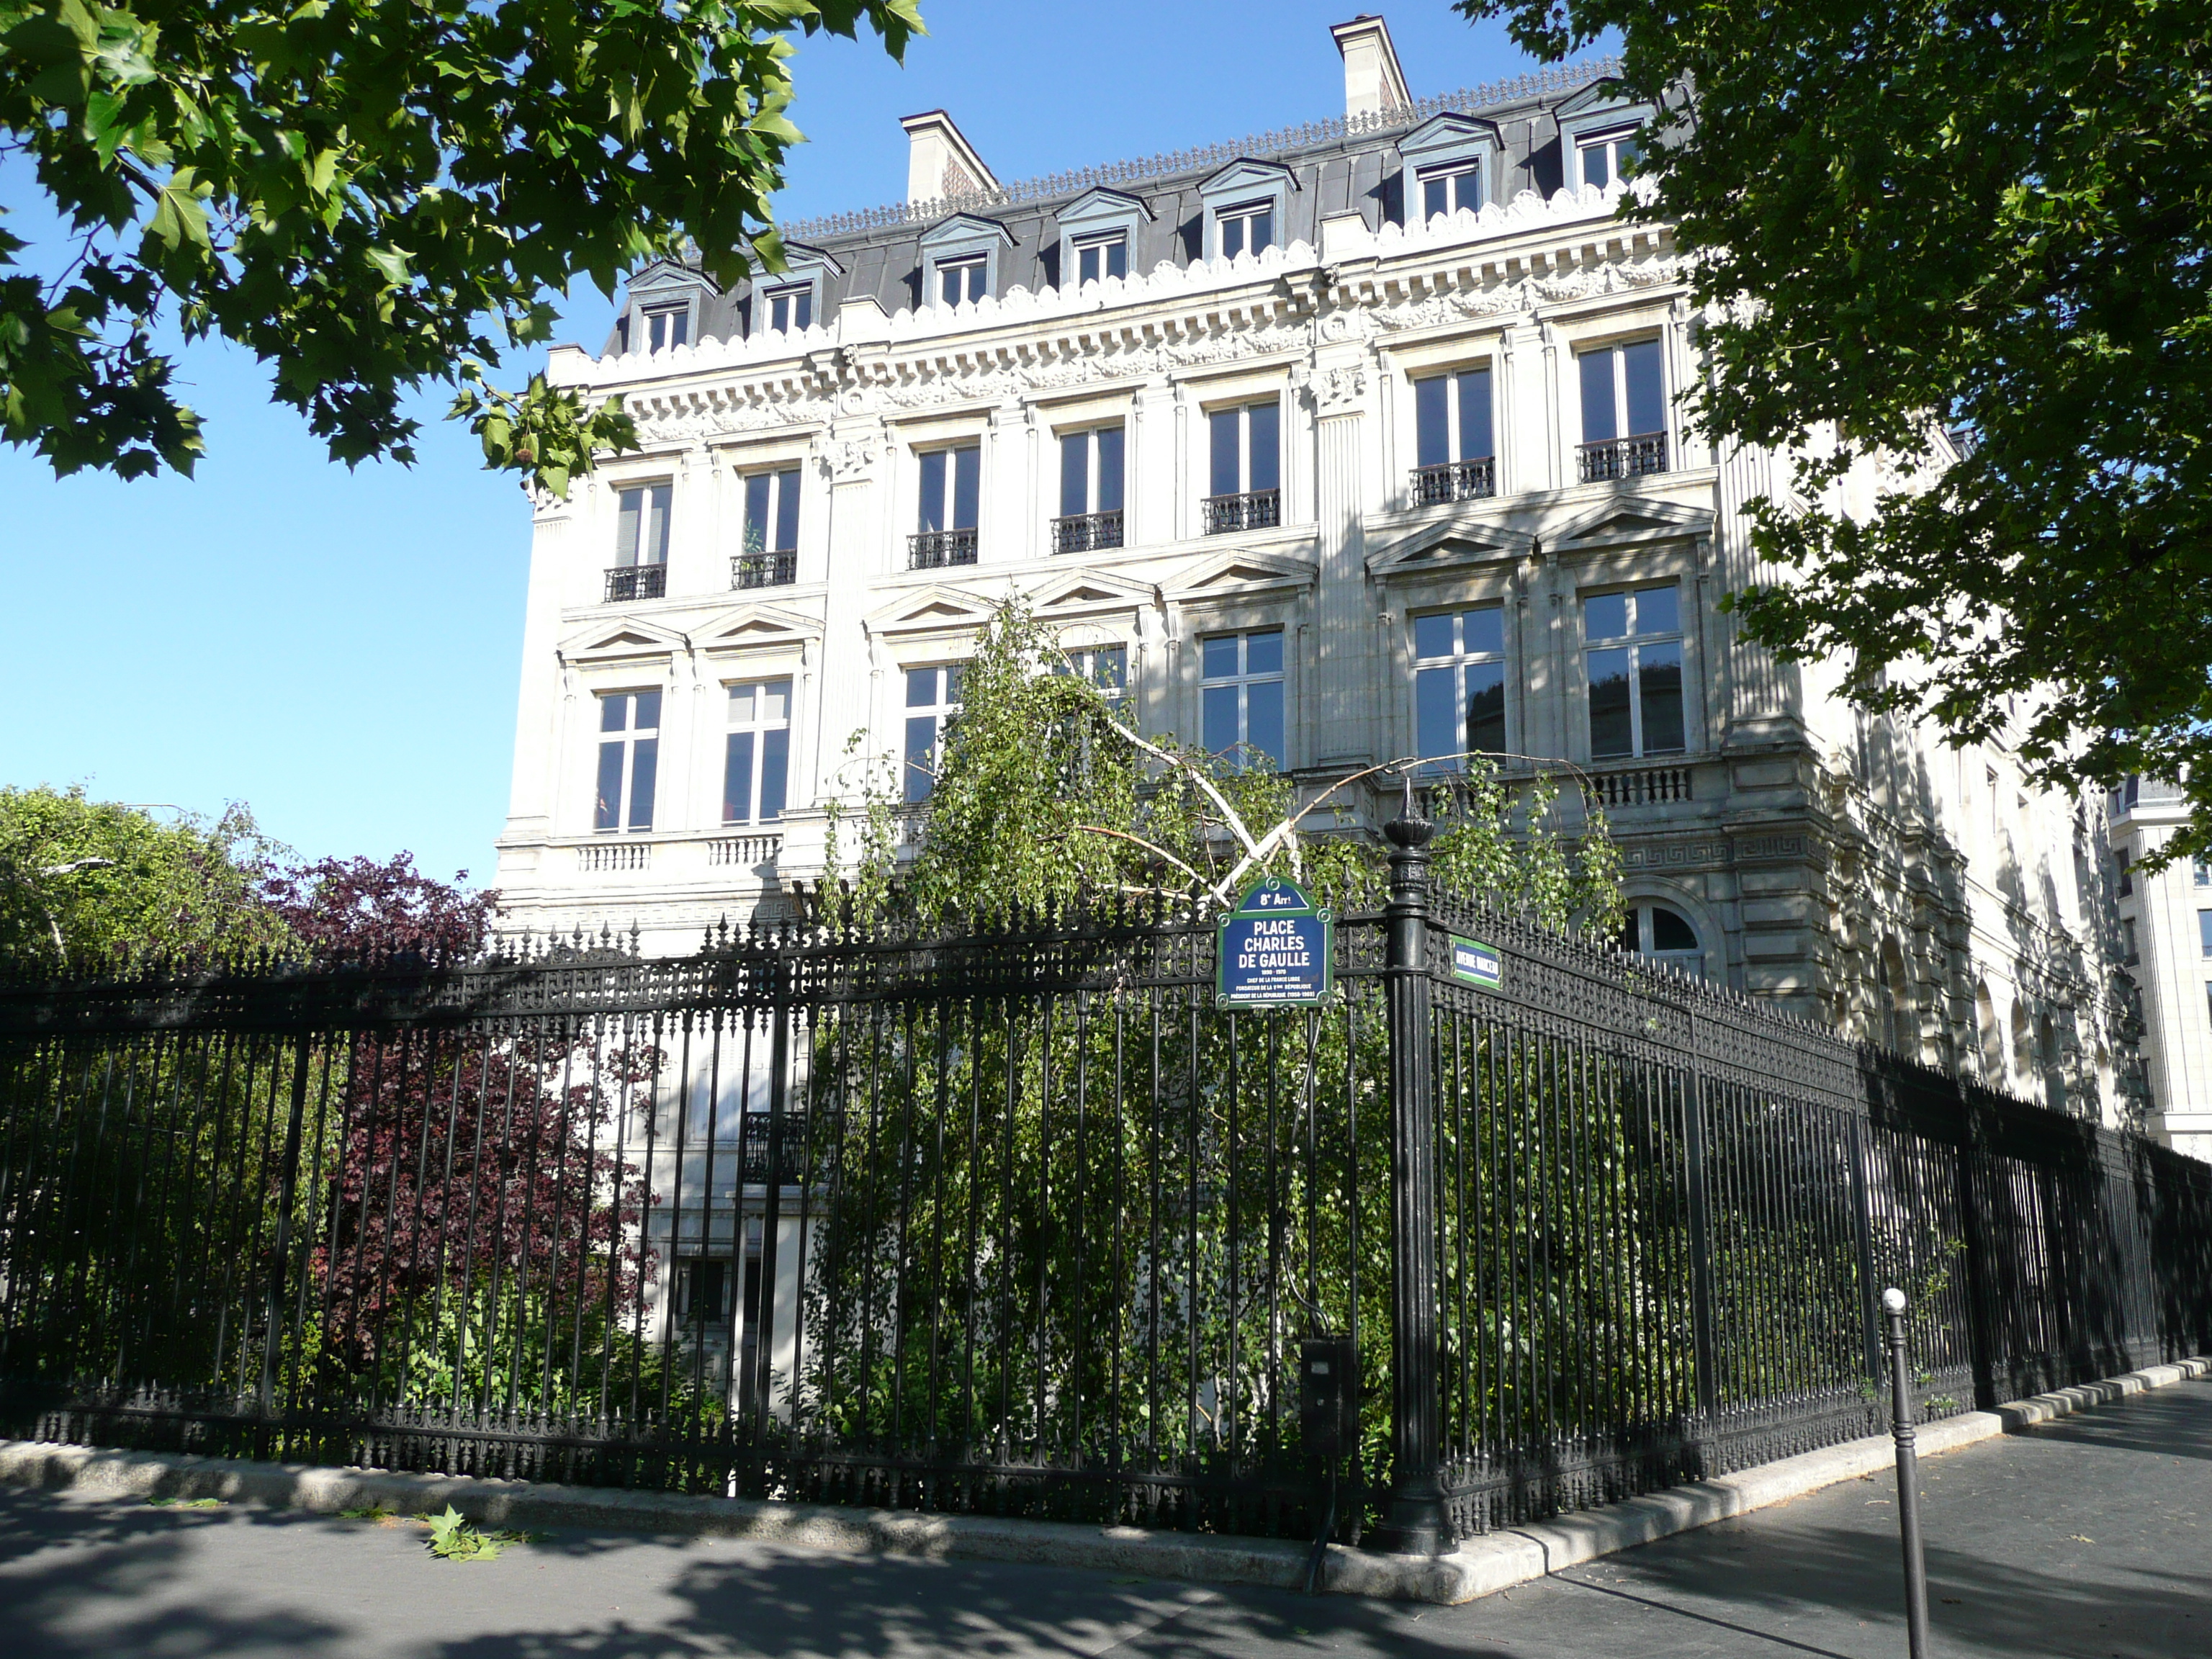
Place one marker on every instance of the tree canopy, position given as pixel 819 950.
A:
pixel 82 879
pixel 1997 220
pixel 372 196
pixel 1043 795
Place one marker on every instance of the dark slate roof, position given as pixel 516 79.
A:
pixel 1339 166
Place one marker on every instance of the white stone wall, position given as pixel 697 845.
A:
pixel 1815 845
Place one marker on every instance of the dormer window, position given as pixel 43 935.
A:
pixel 1600 135
pixel 964 278
pixel 961 259
pixel 1604 158
pixel 1449 188
pixel 1098 236
pixel 1247 227
pixel 1247 208
pixel 1100 257
pixel 667 326
pixel 789 308
pixel 1449 160
pixel 786 302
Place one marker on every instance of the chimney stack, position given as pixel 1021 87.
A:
pixel 1373 82
pixel 940 163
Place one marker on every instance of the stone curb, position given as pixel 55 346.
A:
pixel 1479 1567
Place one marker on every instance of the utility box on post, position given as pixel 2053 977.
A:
pixel 1328 1396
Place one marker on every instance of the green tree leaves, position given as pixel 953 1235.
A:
pixel 1911 217
pixel 371 195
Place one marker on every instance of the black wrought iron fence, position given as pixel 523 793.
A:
pixel 1021 1221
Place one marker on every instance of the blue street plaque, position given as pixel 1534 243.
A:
pixel 1273 950
pixel 1475 963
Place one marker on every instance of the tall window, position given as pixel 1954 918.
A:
pixel 933 697
pixel 1106 666
pixel 1449 188
pixel 757 760
pixel 791 307
pixel 641 526
pixel 1247 227
pixel 1245 448
pixel 1452 437
pixel 2204 931
pixel 1105 255
pixel 772 511
pixel 1090 490
pixel 951 486
pixel 1653 930
pixel 667 326
pixel 1633 643
pixel 963 279
pixel 1622 395
pixel 2131 949
pixel 1459 683
pixel 1243 693
pixel 2202 871
pixel 1624 411
pixel 629 750
pixel 1606 156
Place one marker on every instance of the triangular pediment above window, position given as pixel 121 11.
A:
pixel 1243 573
pixel 1630 523
pixel 620 639
pixel 932 608
pixel 663 276
pixel 1447 135
pixel 1102 206
pixel 802 258
pixel 1085 590
pixel 758 625
pixel 1605 97
pixel 1433 547
pixel 963 231
pixel 1245 175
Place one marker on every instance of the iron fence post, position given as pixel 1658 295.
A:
pixel 1416 1519
pixel 1862 1238
pixel 286 1193
pixel 1701 1246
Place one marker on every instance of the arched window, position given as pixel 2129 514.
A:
pixel 1985 1020
pixel 1665 935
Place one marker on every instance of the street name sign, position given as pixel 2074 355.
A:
pixel 1274 949
pixel 1474 963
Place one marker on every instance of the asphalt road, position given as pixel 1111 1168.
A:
pixel 2088 1537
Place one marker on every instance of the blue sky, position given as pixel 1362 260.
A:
pixel 341 649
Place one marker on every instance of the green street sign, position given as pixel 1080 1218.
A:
pixel 1476 963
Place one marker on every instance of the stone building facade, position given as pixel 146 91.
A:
pixel 1350 442
pixel 2166 940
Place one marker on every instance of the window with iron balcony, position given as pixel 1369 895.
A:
pixel 951 481
pixel 1624 412
pixel 770 558
pixel 1245 449
pixel 1090 490
pixel 1452 438
pixel 640 567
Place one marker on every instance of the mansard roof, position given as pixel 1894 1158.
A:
pixel 1324 169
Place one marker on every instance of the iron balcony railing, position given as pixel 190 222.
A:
pixel 636 581
pixel 1255 509
pixel 1455 481
pixel 1624 457
pixel 764 569
pixel 932 549
pixel 1087 532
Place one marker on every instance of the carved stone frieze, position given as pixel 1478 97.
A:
pixel 1339 391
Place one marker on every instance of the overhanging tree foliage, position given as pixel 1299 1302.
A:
pixel 372 195
pixel 1992 219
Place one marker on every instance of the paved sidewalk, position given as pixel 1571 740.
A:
pixel 2088 1537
